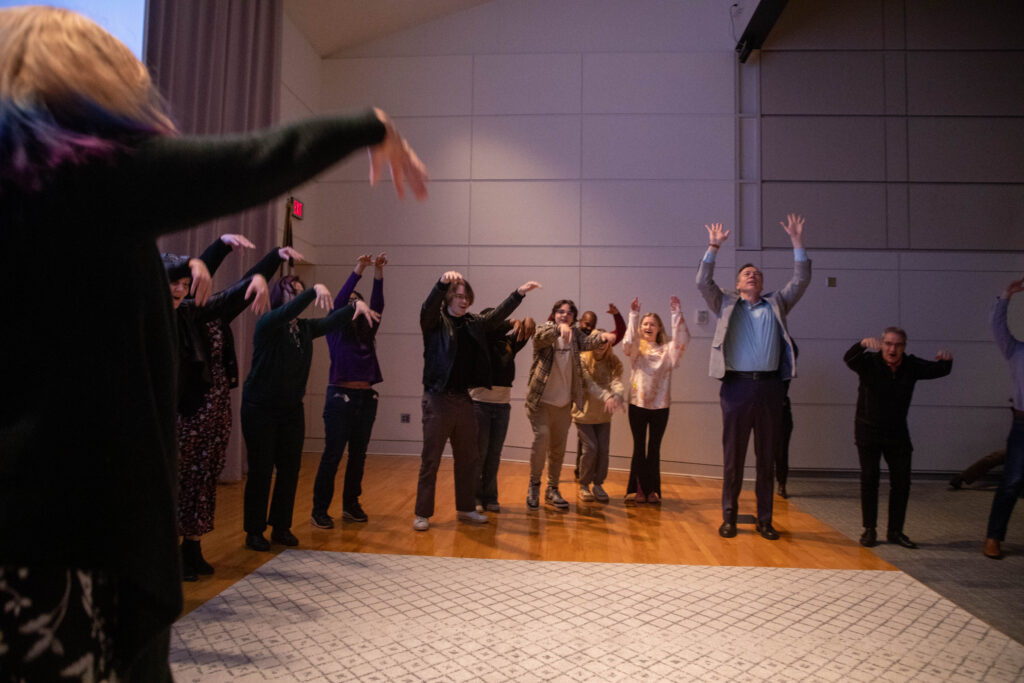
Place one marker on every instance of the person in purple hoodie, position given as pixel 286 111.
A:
pixel 351 405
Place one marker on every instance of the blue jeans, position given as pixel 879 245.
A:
pixel 1011 484
pixel 348 419
pixel 491 428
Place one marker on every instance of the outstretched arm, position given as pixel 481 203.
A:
pixel 633 329
pixel 620 324
pixel 1005 340
pixel 712 293
pixel 797 285
pixel 680 332
pixel 346 290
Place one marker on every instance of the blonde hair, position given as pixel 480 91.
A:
pixel 55 58
pixel 659 339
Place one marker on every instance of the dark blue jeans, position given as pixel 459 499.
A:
pixel 491 428
pixel 1011 484
pixel 348 420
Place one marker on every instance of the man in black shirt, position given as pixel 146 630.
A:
pixel 887 378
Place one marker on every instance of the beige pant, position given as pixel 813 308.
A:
pixel 550 428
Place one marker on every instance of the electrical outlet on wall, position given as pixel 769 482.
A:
pixel 702 317
pixel 404 418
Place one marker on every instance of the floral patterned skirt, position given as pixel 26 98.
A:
pixel 202 446
pixel 56 624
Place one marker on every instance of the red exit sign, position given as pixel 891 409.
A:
pixel 296 208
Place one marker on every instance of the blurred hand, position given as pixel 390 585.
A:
pixel 323 297
pixel 404 165
pixel 237 241
pixel 363 309
pixel 260 293
pixel 202 283
pixel 289 253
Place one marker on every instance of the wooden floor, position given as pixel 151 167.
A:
pixel 682 530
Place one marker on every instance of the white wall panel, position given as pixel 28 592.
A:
pixel 654 213
pixel 526 147
pixel 624 83
pixel 838 215
pixel 823 148
pixel 940 212
pixel 822 82
pixel 525 213
pixel 526 84
pixel 358 214
pixel 401 86
pixel 659 147
pixel 938 152
pixel 951 306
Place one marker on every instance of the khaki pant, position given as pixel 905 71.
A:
pixel 550 428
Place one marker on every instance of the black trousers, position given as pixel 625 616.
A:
pixel 273 440
pixel 750 404
pixel 645 467
pixel 897 457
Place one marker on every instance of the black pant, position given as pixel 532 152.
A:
pixel 750 404
pixel 645 467
pixel 348 420
pixel 897 457
pixel 782 458
pixel 273 440
pixel 448 416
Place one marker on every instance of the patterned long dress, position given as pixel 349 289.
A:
pixel 202 444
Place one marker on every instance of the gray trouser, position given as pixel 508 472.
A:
pixel 550 428
pixel 595 439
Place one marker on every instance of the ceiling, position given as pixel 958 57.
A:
pixel 335 25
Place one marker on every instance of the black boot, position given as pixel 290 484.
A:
pixel 194 555
pixel 188 570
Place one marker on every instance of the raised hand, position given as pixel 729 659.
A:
pixel 362 262
pixel 527 286
pixel 871 343
pixel 1013 288
pixel 794 227
pixel 674 304
pixel 323 297
pixel 363 309
pixel 290 253
pixel 202 283
pixel 613 309
pixel 635 305
pixel 451 276
pixel 716 234
pixel 237 241
pixel 381 260
pixel 405 166
pixel 260 293
pixel 943 354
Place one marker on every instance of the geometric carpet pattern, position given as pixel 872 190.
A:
pixel 323 616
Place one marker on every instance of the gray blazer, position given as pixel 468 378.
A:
pixel 722 303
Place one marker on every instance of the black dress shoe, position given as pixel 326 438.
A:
pixel 901 539
pixel 257 542
pixel 727 530
pixel 869 539
pixel 284 537
pixel 782 491
pixel 766 530
pixel 956 482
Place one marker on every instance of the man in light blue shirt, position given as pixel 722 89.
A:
pixel 753 354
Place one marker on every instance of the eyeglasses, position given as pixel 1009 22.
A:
pixel 464 297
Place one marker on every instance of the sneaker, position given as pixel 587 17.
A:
pixel 284 536
pixel 599 493
pixel 653 498
pixel 472 517
pixel 533 496
pixel 420 523
pixel 553 496
pixel 585 494
pixel 353 513
pixel 322 520
pixel 493 507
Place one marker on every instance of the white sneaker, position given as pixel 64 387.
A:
pixel 420 523
pixel 472 517
pixel 585 494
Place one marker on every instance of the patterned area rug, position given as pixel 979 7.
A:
pixel 320 616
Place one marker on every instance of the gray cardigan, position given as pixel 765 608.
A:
pixel 722 302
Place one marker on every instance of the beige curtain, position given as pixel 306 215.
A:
pixel 218 64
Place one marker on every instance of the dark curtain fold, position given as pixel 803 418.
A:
pixel 217 62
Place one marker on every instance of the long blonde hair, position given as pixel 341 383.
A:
pixel 659 339
pixel 52 56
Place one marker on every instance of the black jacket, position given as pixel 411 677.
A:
pixel 439 345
